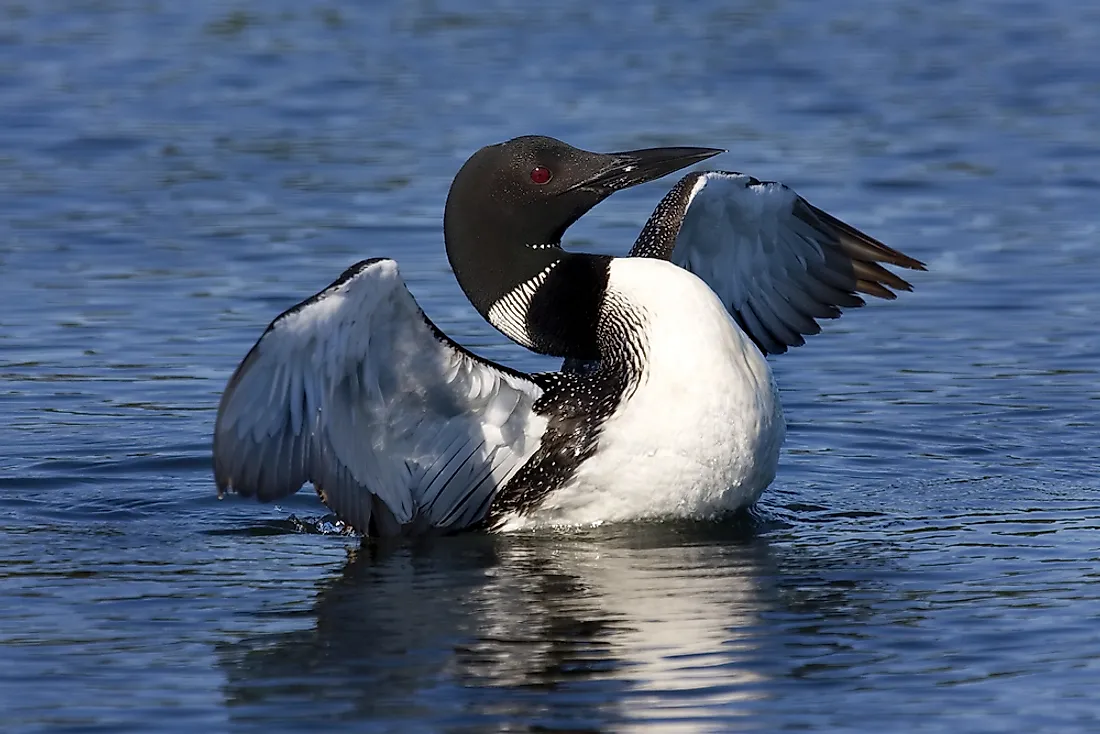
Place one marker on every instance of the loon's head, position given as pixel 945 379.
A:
pixel 507 210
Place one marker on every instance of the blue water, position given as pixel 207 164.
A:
pixel 172 175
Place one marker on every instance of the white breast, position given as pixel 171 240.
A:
pixel 702 432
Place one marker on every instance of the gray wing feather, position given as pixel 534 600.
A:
pixel 399 428
pixel 776 261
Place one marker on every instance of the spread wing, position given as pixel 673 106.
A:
pixel 399 428
pixel 776 261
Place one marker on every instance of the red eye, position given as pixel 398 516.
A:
pixel 541 175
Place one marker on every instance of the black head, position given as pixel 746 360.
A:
pixel 507 211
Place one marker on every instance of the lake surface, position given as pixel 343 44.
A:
pixel 173 175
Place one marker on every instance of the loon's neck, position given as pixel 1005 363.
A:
pixel 536 294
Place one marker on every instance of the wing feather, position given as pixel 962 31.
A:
pixel 776 261
pixel 399 428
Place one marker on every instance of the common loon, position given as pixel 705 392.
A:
pixel 664 407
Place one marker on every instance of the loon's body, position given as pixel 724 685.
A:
pixel 665 406
pixel 697 427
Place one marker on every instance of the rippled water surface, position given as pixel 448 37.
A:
pixel 172 175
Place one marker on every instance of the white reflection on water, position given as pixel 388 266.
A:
pixel 675 621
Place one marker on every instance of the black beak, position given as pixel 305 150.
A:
pixel 638 166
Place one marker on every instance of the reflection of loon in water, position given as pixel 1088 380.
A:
pixel 631 623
